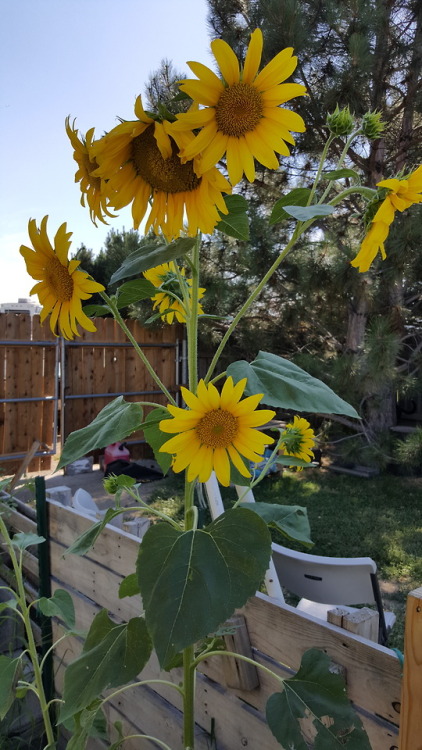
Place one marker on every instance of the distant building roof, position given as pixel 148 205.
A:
pixel 23 304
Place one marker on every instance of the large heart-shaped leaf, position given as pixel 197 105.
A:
pixel 317 693
pixel 149 256
pixel 193 581
pixel 115 656
pixel 296 197
pixel 134 291
pixel 235 223
pixel 115 422
pixel 291 520
pixel 287 386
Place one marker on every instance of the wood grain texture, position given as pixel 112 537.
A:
pixel 411 714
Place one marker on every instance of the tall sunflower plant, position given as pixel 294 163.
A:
pixel 179 173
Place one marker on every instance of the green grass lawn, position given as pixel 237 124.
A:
pixel 350 517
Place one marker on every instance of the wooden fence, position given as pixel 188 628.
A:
pixel 51 386
pixel 278 635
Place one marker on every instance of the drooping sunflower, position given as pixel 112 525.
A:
pixel 61 287
pixel 93 188
pixel 241 116
pixel 216 430
pixel 165 278
pixel 402 195
pixel 298 439
pixel 140 161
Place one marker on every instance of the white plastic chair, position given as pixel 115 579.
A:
pixel 322 582
pixel 83 502
pixel 327 582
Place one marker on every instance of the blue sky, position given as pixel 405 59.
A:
pixel 89 59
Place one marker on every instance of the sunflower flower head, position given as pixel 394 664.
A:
pixel 401 195
pixel 241 115
pixel 141 164
pixel 61 286
pixel 168 300
pixel 93 189
pixel 298 439
pixel 216 430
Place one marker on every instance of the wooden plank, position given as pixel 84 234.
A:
pixel 238 673
pixel 411 714
pixel 114 548
pixel 23 467
pixel 98 583
pixel 18 521
pixel 373 671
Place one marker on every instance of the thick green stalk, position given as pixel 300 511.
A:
pixel 140 353
pixel 32 648
pixel 192 319
pixel 300 228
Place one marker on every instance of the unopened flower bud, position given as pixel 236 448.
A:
pixel 340 121
pixel 372 125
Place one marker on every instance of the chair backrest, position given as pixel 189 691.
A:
pixel 82 500
pixel 329 580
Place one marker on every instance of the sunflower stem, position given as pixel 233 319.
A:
pixel 192 319
pixel 118 318
pixel 340 161
pixel 330 139
pixel 299 230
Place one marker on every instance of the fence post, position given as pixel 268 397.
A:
pixel 410 737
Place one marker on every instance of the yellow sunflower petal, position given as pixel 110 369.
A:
pixel 253 56
pixel 227 61
pixel 277 70
pixel 222 466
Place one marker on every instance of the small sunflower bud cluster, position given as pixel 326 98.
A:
pixel 112 484
pixel 372 125
pixel 341 122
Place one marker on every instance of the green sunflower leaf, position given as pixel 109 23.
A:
pixel 113 657
pixel 287 386
pixel 85 541
pixel 316 693
pixel 296 197
pixel 339 174
pixel 291 520
pixel 23 541
pixel 59 605
pixel 115 422
pixel 9 674
pixel 155 438
pixel 235 223
pixel 309 212
pixel 134 291
pixel 192 581
pixel 129 586
pixel 149 256
pixel 96 311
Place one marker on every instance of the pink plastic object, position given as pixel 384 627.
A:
pixel 116 452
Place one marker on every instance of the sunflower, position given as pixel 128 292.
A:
pixel 92 188
pixel 165 276
pixel 216 430
pixel 402 195
pixel 140 160
pixel 61 286
pixel 298 439
pixel 241 115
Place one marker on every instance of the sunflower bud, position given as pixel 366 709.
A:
pixel 372 125
pixel 340 122
pixel 112 484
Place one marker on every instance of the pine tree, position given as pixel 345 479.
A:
pixel 366 54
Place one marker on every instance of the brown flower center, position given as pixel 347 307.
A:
pixel 217 429
pixel 239 109
pixel 59 280
pixel 168 175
